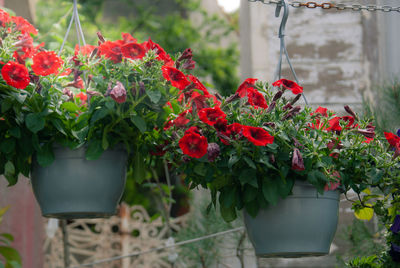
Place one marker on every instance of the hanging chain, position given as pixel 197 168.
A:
pixel 353 7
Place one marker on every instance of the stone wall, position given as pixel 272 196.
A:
pixel 335 53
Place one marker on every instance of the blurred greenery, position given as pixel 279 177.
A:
pixel 384 106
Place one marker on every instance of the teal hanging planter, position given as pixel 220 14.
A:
pixel 73 187
pixel 301 225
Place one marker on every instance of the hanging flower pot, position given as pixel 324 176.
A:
pixel 73 187
pixel 301 225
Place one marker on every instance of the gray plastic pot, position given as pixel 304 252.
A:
pixel 73 187
pixel 301 225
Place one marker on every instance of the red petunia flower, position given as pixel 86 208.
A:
pixel 256 99
pixel 24 26
pixel 111 50
pixel 392 138
pixel 82 96
pixel 46 63
pixel 160 52
pixel 4 18
pixel 193 145
pixel 245 86
pixel 198 84
pixel 321 110
pixel 128 38
pixel 176 77
pixel 211 115
pixel 15 74
pixel 133 51
pixel 181 120
pixel 258 136
pixel 331 186
pixel 288 84
pixel 334 124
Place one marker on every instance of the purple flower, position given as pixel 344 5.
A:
pixel 395 252
pixel 213 151
pixel 297 160
pixel 396 225
pixel 398 132
pixel 118 93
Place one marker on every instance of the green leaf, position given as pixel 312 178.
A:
pixel 364 213
pixel 285 187
pixel 104 140
pixel 248 176
pixel 375 175
pixel 139 168
pixel 249 162
pixel 57 123
pixel 154 95
pixel 81 134
pixel 10 254
pixel 249 193
pixel 45 155
pixel 9 168
pixel 70 107
pixel 35 122
pixel 270 189
pixel 227 196
pixel 9 237
pixel 98 114
pixel 15 132
pixel 228 214
pixel 6 104
pixel 233 160
pixel 94 150
pixel 139 122
pixel 3 211
pixel 7 146
pixel 200 169
pixel 252 208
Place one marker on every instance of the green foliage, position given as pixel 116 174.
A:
pixel 385 106
pixel 10 256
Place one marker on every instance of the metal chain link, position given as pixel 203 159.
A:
pixel 353 7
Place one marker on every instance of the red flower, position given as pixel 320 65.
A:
pixel 198 84
pixel 111 50
pixel 127 38
pixel 211 115
pixel 245 86
pixel 193 145
pixel 256 99
pixel 297 160
pixel 84 50
pixel 46 63
pixel 133 51
pixel 288 84
pixel 16 75
pixel 176 77
pixel 334 124
pixel 392 138
pixel 192 130
pixel 258 136
pixel 24 26
pixel 331 186
pixel 4 18
pixel 321 110
pixel 368 140
pixel 221 124
pixel 161 54
pixel 82 96
pixel 181 120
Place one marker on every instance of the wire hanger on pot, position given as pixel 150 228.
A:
pixel 283 49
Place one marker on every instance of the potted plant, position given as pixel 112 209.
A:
pixel 76 123
pixel 282 164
